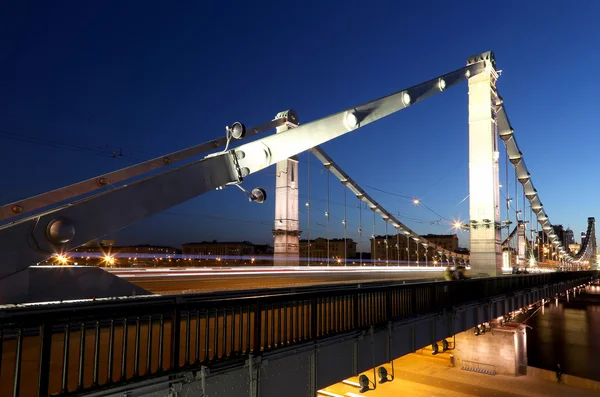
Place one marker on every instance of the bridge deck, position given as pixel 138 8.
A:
pixel 46 342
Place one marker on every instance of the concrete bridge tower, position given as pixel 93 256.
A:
pixel 484 190
pixel 286 231
pixel 521 251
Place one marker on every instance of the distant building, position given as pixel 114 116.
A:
pixel 446 241
pixel 569 236
pixel 263 249
pixel 217 248
pixel 219 251
pixel 318 248
pixel 574 248
pixel 108 254
pixel 215 253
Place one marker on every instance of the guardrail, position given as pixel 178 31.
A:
pixel 68 349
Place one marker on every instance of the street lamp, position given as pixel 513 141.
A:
pixel 109 260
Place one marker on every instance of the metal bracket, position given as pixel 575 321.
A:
pixel 176 388
pixel 253 363
pixel 202 375
pixel 389 344
pixel 312 386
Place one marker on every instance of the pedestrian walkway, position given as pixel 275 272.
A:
pixel 422 375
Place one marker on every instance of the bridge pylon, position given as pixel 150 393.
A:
pixel 521 260
pixel 484 190
pixel 286 233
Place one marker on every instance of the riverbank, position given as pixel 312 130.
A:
pixel 421 375
pixel 567 380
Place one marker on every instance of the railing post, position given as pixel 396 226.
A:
pixel 257 328
pixel 81 356
pixel 355 310
pixel 124 351
pixel 149 347
pixel 413 300
pixel 175 337
pixel 18 357
pixel 65 365
pixel 161 333
pixel 96 355
pixel 2 347
pixel 45 351
pixel 313 318
pixel 388 305
pixel 433 303
pixel 136 352
pixel 111 351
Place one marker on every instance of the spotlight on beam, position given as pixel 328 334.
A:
pixel 364 382
pixel 383 374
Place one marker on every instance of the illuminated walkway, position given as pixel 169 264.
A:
pixel 423 375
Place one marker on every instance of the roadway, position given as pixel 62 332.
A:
pixel 198 280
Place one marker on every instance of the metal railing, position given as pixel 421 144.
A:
pixel 67 349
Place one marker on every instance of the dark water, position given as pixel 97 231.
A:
pixel 567 334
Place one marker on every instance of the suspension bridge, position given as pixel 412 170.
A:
pixel 198 343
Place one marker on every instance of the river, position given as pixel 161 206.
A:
pixel 567 334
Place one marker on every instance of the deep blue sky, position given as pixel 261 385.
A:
pixel 153 77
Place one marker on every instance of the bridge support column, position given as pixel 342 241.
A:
pixel 502 352
pixel 483 170
pixel 521 260
pixel 286 232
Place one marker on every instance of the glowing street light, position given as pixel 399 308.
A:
pixel 109 260
pixel 62 259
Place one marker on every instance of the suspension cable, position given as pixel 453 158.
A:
pixel 374 238
pixel 408 249
pixel 398 245
pixel 360 231
pixel 345 242
pixel 508 212
pixel 518 256
pixel 328 213
pixel 308 243
pixel 387 256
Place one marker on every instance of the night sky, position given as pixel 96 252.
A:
pixel 79 80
